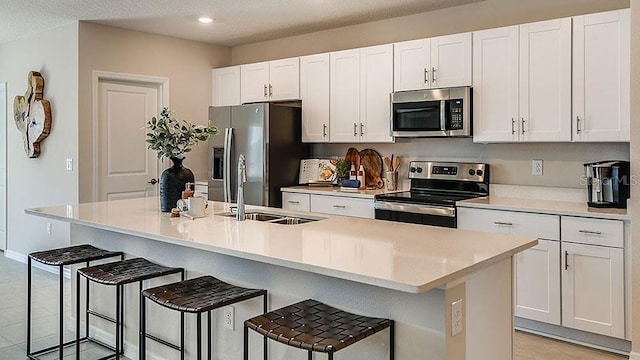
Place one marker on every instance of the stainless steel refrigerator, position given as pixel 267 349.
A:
pixel 269 136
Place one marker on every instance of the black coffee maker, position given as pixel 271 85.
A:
pixel 608 184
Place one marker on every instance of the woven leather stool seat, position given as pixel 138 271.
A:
pixel 72 255
pixel 126 271
pixel 314 326
pixel 200 294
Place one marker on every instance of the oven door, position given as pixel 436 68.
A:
pixel 416 214
pixel 420 119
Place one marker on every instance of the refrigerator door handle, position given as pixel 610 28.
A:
pixel 225 171
pixel 228 164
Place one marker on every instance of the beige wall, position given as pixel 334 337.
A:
pixel 187 64
pixel 634 203
pixel 476 16
pixel 42 181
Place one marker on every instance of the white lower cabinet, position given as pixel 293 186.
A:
pixel 537 270
pixel 329 204
pixel 339 205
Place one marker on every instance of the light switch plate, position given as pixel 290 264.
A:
pixel 69 164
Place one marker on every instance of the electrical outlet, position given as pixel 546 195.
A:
pixel 49 230
pixel 456 317
pixel 69 164
pixel 229 320
pixel 536 167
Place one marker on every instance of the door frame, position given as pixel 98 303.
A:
pixel 160 83
pixel 3 84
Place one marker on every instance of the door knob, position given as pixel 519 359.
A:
pixel 153 181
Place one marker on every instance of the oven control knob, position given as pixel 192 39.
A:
pixel 419 170
pixel 479 172
pixel 472 172
pixel 412 169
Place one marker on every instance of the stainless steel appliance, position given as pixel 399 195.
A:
pixel 435 188
pixel 608 184
pixel 432 113
pixel 269 136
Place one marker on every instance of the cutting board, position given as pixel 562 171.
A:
pixel 372 163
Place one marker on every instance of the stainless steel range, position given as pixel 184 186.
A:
pixel 435 188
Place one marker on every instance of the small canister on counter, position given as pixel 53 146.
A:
pixel 391 180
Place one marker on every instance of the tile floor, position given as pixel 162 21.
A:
pixel 13 280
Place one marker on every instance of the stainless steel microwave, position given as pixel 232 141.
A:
pixel 432 113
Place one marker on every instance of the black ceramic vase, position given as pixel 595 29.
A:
pixel 172 183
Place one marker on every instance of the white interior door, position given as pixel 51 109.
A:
pixel 126 167
pixel 3 161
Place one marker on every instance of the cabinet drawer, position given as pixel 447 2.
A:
pixel 295 201
pixel 338 205
pixel 516 223
pixel 593 231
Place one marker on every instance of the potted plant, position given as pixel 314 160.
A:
pixel 342 170
pixel 172 138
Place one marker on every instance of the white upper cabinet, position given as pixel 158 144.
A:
pixel 314 92
pixel 443 61
pixel 495 85
pixel 522 82
pixel 226 86
pixel 270 81
pixel 601 71
pixel 361 84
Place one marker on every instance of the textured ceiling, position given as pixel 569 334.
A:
pixel 235 21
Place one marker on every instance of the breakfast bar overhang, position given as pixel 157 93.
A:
pixel 409 273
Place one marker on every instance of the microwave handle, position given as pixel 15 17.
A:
pixel 443 116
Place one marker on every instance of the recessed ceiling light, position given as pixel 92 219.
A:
pixel 205 20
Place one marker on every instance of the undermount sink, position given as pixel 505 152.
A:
pixel 273 218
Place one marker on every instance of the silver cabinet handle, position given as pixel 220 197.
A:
pixel 293 202
pixel 502 223
pixel 578 125
pixel 270 90
pixel 522 126
pixel 426 75
pixel 324 130
pixel 513 124
pixel 566 260
pixel 361 129
pixel 433 76
pixel 265 90
pixel 590 232
pixel 355 129
pixel 339 206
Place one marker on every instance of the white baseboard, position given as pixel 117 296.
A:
pixel 634 356
pixel 48 268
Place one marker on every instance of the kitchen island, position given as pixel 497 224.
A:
pixel 409 273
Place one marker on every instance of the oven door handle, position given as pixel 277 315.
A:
pixel 416 209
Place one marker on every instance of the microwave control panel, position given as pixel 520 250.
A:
pixel 456 114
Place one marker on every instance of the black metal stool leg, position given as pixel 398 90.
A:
pixel 330 355
pixel 29 305
pixel 264 311
pixel 61 315
pixel 118 322
pixel 143 337
pixel 78 316
pixel 86 306
pixel 199 336
pixel 392 341
pixel 122 320
pixel 309 355
pixel 181 335
pixel 208 335
pixel 245 346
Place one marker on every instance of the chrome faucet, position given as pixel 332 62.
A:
pixel 242 178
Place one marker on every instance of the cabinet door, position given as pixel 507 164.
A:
pixel 255 82
pixel 284 79
pixel 295 201
pixel 411 65
pixel 314 92
pixel 451 60
pixel 495 85
pixel 339 205
pixel 537 282
pixel 376 85
pixel 226 86
pixel 601 73
pixel 345 96
pixel 545 81
pixel 593 288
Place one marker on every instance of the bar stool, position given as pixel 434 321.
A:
pixel 196 296
pixel 61 257
pixel 117 274
pixel 314 326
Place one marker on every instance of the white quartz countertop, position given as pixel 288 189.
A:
pixel 405 257
pixel 544 206
pixel 334 191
